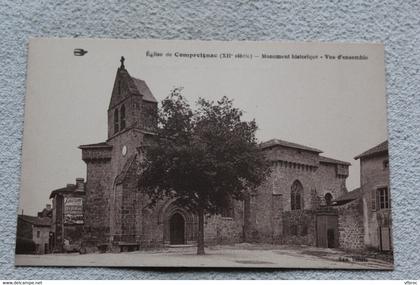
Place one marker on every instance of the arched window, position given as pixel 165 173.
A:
pixel 328 199
pixel 296 196
pixel 116 121
pixel 122 117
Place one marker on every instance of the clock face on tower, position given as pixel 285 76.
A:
pixel 124 150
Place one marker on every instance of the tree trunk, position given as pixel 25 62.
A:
pixel 200 240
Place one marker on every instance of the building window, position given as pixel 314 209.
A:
pixel 38 234
pixel 116 121
pixel 383 198
pixel 328 199
pixel 122 117
pixel 296 196
pixel 119 87
pixel 385 164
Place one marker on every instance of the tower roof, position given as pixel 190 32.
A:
pixel 133 86
pixel 144 90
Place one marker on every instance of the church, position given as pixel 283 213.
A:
pixel 295 205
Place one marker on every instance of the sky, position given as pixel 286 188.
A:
pixel 336 105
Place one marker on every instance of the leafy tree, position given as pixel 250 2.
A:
pixel 204 157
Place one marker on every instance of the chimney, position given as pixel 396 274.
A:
pixel 80 184
pixel 48 207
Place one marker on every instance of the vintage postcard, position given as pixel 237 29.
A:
pixel 205 154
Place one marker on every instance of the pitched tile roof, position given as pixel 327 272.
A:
pixel 333 161
pixel 70 188
pixel 135 86
pixel 380 148
pixel 37 221
pixel 275 142
pixel 144 90
pixel 348 197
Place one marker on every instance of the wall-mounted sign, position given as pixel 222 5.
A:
pixel 73 210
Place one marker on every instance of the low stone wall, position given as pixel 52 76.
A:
pixel 299 227
pixel 350 225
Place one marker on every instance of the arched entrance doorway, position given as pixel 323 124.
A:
pixel 179 224
pixel 177 229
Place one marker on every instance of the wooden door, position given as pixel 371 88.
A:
pixel 385 238
pixel 327 231
pixel 177 229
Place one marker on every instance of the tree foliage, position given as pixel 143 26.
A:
pixel 204 156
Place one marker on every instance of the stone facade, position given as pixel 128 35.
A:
pixel 374 181
pixel 273 217
pixel 67 233
pixel 293 206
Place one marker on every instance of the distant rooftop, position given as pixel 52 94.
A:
pixel 70 188
pixel 380 148
pixel 37 221
pixel 276 142
pixel 348 197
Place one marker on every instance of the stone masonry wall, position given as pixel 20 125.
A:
pixel 299 227
pixel 96 211
pixel 225 230
pixel 350 225
pixel 327 181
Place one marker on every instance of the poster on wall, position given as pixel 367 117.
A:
pixel 73 211
pixel 211 153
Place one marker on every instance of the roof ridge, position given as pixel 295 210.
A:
pixel 327 159
pixel 379 148
pixel 289 144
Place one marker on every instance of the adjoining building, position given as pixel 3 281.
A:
pixel 33 234
pixel 67 216
pixel 374 181
pixel 296 205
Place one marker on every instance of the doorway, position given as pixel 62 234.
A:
pixel 327 230
pixel 331 238
pixel 177 229
pixel 384 238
